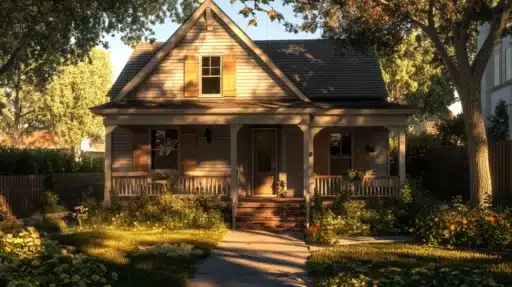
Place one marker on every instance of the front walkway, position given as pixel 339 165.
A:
pixel 255 258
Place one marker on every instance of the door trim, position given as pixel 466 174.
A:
pixel 253 150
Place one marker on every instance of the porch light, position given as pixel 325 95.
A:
pixel 208 135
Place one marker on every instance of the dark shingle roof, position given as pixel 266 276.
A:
pixel 320 69
pixel 317 67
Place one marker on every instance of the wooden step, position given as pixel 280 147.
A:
pixel 270 218
pixel 271 210
pixel 272 204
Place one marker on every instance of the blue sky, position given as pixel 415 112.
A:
pixel 266 30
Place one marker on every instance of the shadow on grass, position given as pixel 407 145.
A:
pixel 118 251
pixel 372 260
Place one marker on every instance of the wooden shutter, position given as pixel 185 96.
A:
pixel 141 149
pixel 229 75
pixel 191 85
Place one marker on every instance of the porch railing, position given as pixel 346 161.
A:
pixel 209 185
pixel 329 185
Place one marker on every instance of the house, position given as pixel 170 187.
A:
pixel 220 113
pixel 496 81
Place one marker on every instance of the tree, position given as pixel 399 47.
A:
pixel 72 92
pixel 498 122
pixel 414 75
pixel 20 105
pixel 42 34
pixel 450 26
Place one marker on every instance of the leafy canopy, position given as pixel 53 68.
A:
pixel 42 34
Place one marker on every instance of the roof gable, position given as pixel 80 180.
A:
pixel 155 54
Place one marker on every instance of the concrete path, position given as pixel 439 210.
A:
pixel 255 258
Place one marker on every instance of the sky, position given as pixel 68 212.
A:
pixel 266 30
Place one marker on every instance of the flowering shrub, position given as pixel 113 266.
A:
pixel 460 225
pixel 168 211
pixel 27 260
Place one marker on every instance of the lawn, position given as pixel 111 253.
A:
pixel 118 251
pixel 404 264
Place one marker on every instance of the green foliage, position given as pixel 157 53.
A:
pixel 45 161
pixel 452 131
pixel 167 211
pixel 70 95
pixel 51 203
pixel 460 225
pixel 407 265
pixel 498 122
pixel 25 244
pixel 42 35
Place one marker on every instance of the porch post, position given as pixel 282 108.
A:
pixel 234 171
pixel 108 164
pixel 401 156
pixel 308 136
pixel 510 121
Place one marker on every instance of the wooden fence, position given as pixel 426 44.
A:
pixel 500 158
pixel 23 194
pixel 330 185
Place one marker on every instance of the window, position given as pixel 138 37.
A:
pixel 164 149
pixel 508 63
pixel 340 153
pixel 496 64
pixel 210 75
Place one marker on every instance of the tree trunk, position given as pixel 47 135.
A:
pixel 17 132
pixel 480 183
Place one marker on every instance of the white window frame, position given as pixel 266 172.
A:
pixel 177 129
pixel 496 68
pixel 201 77
pixel 508 63
pixel 350 157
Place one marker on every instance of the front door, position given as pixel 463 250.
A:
pixel 265 143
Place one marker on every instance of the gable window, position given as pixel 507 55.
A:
pixel 340 153
pixel 164 149
pixel 210 75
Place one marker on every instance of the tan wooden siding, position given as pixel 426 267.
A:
pixel 252 77
pixel 122 149
pixel 245 158
pixel 141 149
pixel 321 152
pixel 214 155
pixel 188 149
pixel 294 163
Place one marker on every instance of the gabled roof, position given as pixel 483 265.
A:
pixel 321 70
pixel 160 52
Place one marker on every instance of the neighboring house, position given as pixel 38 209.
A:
pixel 496 82
pixel 224 114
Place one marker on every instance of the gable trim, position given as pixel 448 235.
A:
pixel 176 38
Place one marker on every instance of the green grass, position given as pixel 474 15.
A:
pixel 116 250
pixel 404 264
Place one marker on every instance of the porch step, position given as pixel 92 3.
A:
pixel 278 214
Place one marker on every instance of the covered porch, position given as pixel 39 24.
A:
pixel 263 151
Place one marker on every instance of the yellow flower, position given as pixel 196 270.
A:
pixel 452 227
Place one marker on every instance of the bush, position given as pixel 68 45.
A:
pixel 51 203
pixel 28 260
pixel 45 161
pixel 458 224
pixel 168 211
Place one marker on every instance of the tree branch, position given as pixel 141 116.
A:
pixel 497 25
pixel 10 62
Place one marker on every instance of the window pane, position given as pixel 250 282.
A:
pixel 215 72
pixel 206 61
pixel 164 145
pixel 206 71
pixel 346 145
pixel 339 166
pixel 211 86
pixel 508 64
pixel 496 64
pixel 215 61
pixel 335 144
